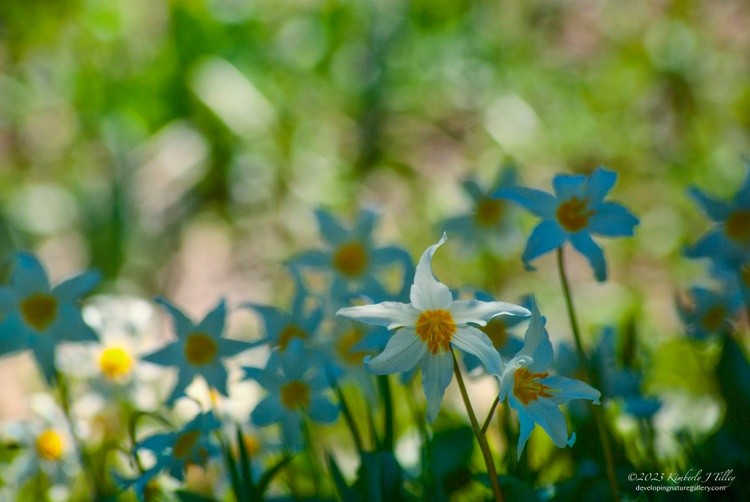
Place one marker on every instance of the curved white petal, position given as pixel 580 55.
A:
pixel 427 293
pixel 437 372
pixel 546 413
pixel 389 314
pixel 479 312
pixel 475 342
pixel 402 352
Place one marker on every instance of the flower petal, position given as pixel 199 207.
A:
pixel 479 312
pixel 545 237
pixel 314 259
pixel 268 411
pixel 540 203
pixel 713 243
pixel 437 372
pixel 330 228
pixel 389 314
pixel 568 186
pixel 215 376
pixel 323 411
pixel 366 221
pixel 526 426
pixel 427 293
pixel 44 353
pixel 213 323
pixel 564 389
pixel 28 275
pixel 70 326
pixel 184 379
pixel 546 413
pixel 599 183
pixel 74 288
pixel 612 220
pixel 402 352
pixel 536 342
pixel 475 342
pixel 182 324
pixel 169 355
pixel 593 253
pixel 716 209
pixel 471 187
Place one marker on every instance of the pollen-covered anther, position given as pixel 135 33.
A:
pixel 738 226
pixel 49 445
pixel 350 259
pixel 200 349
pixel 39 310
pixel 527 387
pixel 436 329
pixel 295 395
pixel 574 214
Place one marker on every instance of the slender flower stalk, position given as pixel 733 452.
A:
pixel 481 439
pixel 488 420
pixel 348 416
pixel 598 419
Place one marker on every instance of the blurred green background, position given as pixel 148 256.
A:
pixel 180 147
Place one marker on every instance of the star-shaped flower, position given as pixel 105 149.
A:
pixel 37 317
pixel 198 350
pixel 296 389
pixel 576 211
pixel 353 258
pixel 427 329
pixel 728 242
pixel 534 393
pixel 708 312
pixel 174 451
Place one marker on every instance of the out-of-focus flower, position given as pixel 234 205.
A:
pixel 174 451
pixel 534 393
pixel 46 445
pixel 487 218
pixel 198 350
pixel 427 329
pixel 576 211
pixel 296 389
pixel 707 312
pixel 37 317
pixel 352 257
pixel 728 242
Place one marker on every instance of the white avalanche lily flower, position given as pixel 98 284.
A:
pixel 430 326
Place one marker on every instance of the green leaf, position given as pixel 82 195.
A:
pixel 345 492
pixel 268 476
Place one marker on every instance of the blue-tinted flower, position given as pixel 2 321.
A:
pixel 198 350
pixel 618 383
pixel 37 317
pixel 487 218
pixel 536 395
pixel 352 257
pixel 429 327
pixel 708 312
pixel 728 242
pixel 296 388
pixel 574 213
pixel 174 451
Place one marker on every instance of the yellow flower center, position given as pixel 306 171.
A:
pixel 527 387
pixel 295 395
pixel 714 318
pixel 184 444
pixel 49 445
pixel 115 363
pixel 200 349
pixel 344 346
pixel 39 310
pixel 738 226
pixel 488 212
pixel 350 259
pixel 496 331
pixel 436 328
pixel 289 333
pixel 574 214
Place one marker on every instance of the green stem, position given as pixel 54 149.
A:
pixel 488 420
pixel 86 462
pixel 385 392
pixel 595 410
pixel 348 417
pixel 481 439
pixel 512 440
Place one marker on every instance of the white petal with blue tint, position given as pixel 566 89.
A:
pixel 479 312
pixel 389 314
pixel 437 372
pixel 427 293
pixel 402 353
pixel 475 342
pixel 565 389
pixel 546 413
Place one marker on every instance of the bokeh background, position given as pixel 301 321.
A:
pixel 180 147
